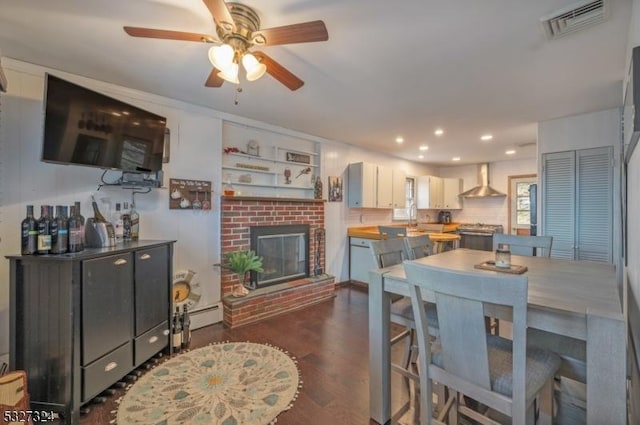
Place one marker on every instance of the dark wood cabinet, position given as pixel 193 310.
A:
pixel 80 322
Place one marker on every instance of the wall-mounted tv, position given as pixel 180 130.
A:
pixel 84 127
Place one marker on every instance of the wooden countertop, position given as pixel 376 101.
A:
pixel 371 232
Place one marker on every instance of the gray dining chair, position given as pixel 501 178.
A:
pixel 391 232
pixel 387 253
pixel 524 245
pixel 417 247
pixel 502 374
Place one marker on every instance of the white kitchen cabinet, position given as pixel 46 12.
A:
pixel 360 259
pixel 430 192
pixel 375 186
pixel 451 189
pixel 577 199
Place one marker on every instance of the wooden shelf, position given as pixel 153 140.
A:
pixel 248 170
pixel 275 186
pixel 272 160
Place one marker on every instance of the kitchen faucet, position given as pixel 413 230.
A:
pixel 413 215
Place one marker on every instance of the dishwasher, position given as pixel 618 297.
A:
pixel 478 235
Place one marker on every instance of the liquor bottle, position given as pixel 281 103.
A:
pixel 81 220
pixel 176 331
pixel 186 327
pixel 29 233
pixel 59 232
pixel 117 223
pixel 44 230
pixel 135 222
pixel 97 215
pixel 126 223
pixel 75 231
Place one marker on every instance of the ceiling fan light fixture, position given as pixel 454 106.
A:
pixel 221 56
pixel 230 74
pixel 254 68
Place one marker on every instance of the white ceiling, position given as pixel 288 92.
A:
pixel 390 68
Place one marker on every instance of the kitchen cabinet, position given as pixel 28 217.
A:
pixel 80 322
pixel 360 259
pixel 438 193
pixel 375 186
pixel 577 199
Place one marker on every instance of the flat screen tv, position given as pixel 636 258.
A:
pixel 84 127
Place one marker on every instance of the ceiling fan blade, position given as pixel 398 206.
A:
pixel 297 33
pixel 169 35
pixel 279 72
pixel 220 13
pixel 214 80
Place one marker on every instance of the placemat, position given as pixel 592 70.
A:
pixel 491 265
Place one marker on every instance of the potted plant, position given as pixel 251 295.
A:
pixel 241 262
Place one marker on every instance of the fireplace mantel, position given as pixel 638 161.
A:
pixel 265 198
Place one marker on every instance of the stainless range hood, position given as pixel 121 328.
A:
pixel 483 190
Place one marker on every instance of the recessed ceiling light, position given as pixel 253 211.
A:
pixel 455 158
pixel 424 148
pixel 438 132
pixel 510 152
pixel 420 156
pixel 486 137
pixel 399 139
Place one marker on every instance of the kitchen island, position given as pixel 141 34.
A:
pixel 360 258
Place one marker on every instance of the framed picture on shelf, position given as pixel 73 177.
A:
pixel 298 157
pixel 335 189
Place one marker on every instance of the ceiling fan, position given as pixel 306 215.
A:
pixel 237 31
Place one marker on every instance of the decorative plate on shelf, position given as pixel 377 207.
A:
pixel 185 291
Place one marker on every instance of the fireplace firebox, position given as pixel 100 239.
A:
pixel 285 253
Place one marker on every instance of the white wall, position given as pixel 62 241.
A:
pixel 488 210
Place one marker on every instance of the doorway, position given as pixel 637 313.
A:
pixel 521 206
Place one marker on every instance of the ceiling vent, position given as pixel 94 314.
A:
pixel 575 17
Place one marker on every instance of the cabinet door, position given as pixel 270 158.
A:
pixel 107 305
pixel 361 260
pixel 152 284
pixel 436 192
pixel 399 188
pixel 594 200
pixel 452 187
pixel 362 185
pixel 385 187
pixel 558 202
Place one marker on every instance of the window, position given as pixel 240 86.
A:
pixel 523 206
pixel 410 196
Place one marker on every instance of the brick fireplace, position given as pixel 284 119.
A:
pixel 239 215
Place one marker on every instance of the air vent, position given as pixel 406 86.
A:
pixel 574 17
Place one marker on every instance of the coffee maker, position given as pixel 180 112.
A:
pixel 444 217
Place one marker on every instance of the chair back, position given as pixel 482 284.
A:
pixel 461 299
pixel 392 232
pixel 524 245
pixel 417 247
pixel 387 252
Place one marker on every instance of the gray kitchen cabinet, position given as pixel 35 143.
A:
pixel 577 199
pixel 375 186
pixel 360 259
pixel 80 322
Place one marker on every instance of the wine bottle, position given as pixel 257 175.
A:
pixel 44 230
pixel 97 215
pixel 75 232
pixel 186 327
pixel 59 246
pixel 176 331
pixel 80 218
pixel 126 223
pixel 135 222
pixel 29 233
pixel 117 223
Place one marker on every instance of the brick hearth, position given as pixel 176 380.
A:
pixel 240 213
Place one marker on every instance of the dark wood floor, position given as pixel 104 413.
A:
pixel 330 342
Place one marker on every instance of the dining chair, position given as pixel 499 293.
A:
pixel 417 247
pixel 392 232
pixel 502 374
pixel 387 253
pixel 524 245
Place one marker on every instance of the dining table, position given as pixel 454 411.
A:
pixel 575 299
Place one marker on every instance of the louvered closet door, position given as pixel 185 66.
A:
pixel 558 202
pixel 594 200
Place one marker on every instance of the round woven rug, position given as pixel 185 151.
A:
pixel 235 383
